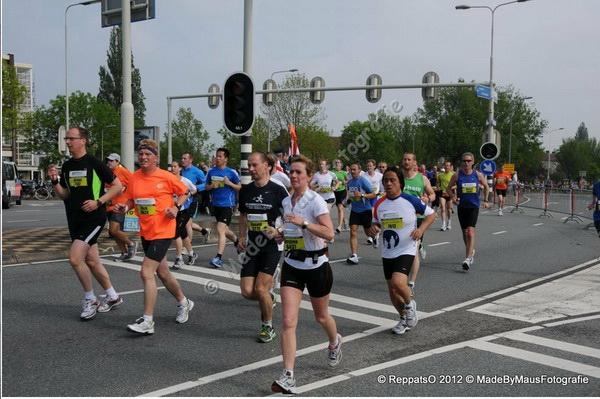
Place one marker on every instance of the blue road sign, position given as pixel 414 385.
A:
pixel 483 92
pixel 487 167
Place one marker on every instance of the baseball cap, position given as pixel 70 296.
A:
pixel 114 157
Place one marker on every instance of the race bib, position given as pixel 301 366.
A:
pixel 145 206
pixel 325 189
pixel 78 178
pixel 392 220
pixel 217 181
pixel 257 222
pixel 469 188
pixel 293 239
pixel 355 195
pixel 131 222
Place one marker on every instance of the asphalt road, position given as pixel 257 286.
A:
pixel 34 213
pixel 522 322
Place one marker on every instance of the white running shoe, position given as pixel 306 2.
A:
pixel 449 225
pixel 376 241
pixel 352 260
pixel 107 304
pixel 443 226
pixel 335 354
pixel 285 384
pixel 411 314
pixel 89 308
pixel 183 311
pixel 370 240
pixel 142 326
pixel 422 251
pixel 466 265
pixel 401 327
pixel 500 212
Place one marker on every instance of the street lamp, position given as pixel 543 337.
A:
pixel 512 114
pixel 273 74
pixel 490 136
pixel 83 3
pixel 548 171
pixel 102 140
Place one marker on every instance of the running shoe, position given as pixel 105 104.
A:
pixel 88 311
pixel 107 304
pixel 191 259
pixel 273 297
pixel 131 250
pixel 142 326
pixel 370 240
pixel 338 230
pixel 266 334
pixel 466 265
pixel 178 263
pixel 352 260
pixel 500 212
pixel 205 231
pixel 401 327
pixel 217 262
pixel 412 289
pixel 411 314
pixel 449 226
pixel 183 311
pixel 335 353
pixel 443 226
pixel 376 241
pixel 285 384
pixel 422 251
pixel 120 258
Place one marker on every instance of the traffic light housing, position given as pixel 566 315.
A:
pixel 489 150
pixel 238 103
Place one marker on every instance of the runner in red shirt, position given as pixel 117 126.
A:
pixel 501 180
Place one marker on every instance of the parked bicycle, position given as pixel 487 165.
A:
pixel 44 191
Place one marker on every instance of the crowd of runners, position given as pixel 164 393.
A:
pixel 286 224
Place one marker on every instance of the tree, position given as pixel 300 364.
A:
pixel 576 154
pixel 582 132
pixel 111 80
pixel 260 134
pixel 292 108
pixel 85 110
pixel 188 135
pixel 13 95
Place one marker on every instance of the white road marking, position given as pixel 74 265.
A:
pixel 438 244
pixel 29 210
pixel 555 344
pixel 573 295
pixel 136 291
pixel 499 232
pixel 570 321
pixel 563 218
pixel 24 220
pixel 534 357
pixel 538 224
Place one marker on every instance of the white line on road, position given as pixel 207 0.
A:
pixel 439 243
pixel 499 232
pixel 555 344
pixel 538 224
pixel 24 220
pixel 569 321
pixel 29 210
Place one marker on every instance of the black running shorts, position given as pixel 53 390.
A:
pixel 182 218
pixel 501 192
pixel 222 214
pixel 318 281
pixel 597 225
pixel 116 217
pixel 401 264
pixel 467 217
pixel 87 231
pixel 265 261
pixel 156 249
pixel 340 197
pixel 364 218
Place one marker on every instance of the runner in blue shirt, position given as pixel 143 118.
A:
pixel 223 183
pixel 360 193
pixel 198 179
pixel 595 205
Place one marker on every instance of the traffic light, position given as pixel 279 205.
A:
pixel 489 150
pixel 238 103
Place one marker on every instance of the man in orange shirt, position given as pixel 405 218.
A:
pixel 115 219
pixel 501 180
pixel 151 191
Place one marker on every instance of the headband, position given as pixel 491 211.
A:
pixel 147 147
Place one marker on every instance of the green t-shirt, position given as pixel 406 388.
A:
pixel 342 176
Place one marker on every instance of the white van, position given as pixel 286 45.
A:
pixel 11 186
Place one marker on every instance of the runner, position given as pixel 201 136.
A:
pixel 198 178
pixel 277 173
pixel 501 180
pixel 182 239
pixel 360 193
pixel 595 205
pixel 79 187
pixel 308 226
pixel 340 195
pixel 324 183
pixel 446 199
pixel 415 183
pixel 374 178
pixel 224 183
pixel 467 182
pixel 260 206
pixel 151 190
pixel 395 214
pixel 382 167
pixel 115 220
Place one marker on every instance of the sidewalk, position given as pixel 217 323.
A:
pixel 50 243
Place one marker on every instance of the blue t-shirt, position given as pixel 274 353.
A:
pixel 355 187
pixel 223 196
pixel 467 188
pixel 596 192
pixel 196 176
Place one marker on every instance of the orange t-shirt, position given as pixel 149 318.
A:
pixel 502 180
pixel 124 175
pixel 152 194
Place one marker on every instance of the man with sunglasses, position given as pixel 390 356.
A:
pixel 467 182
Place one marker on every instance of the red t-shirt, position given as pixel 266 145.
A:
pixel 502 179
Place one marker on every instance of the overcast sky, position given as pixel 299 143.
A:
pixel 547 49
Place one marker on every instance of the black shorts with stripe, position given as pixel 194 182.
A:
pixel 87 231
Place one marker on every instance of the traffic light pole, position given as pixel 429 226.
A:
pixel 246 140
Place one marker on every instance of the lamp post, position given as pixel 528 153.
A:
pixel 102 140
pixel 490 135
pixel 549 152
pixel 273 74
pixel 512 114
pixel 83 3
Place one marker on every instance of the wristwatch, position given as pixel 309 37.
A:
pixel 305 224
pixel 99 203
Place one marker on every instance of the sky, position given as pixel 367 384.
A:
pixel 546 49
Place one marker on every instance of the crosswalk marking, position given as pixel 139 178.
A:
pixel 499 232
pixel 555 344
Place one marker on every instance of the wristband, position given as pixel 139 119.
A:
pixel 54 182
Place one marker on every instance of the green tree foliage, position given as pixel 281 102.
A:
pixel 85 110
pixel 577 154
pixel 13 95
pixel 111 80
pixel 260 136
pixel 582 132
pixel 189 135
